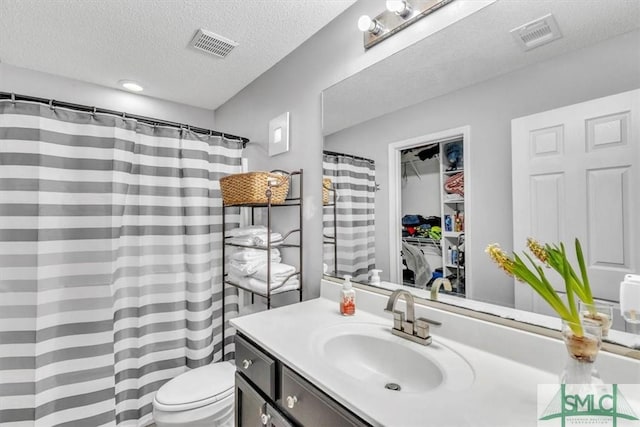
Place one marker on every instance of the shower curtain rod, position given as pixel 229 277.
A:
pixel 335 153
pixel 147 120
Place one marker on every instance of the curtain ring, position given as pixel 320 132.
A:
pixel 124 115
pixel 13 98
pixel 93 113
pixel 51 105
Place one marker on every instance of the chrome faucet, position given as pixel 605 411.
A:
pixel 435 287
pixel 416 330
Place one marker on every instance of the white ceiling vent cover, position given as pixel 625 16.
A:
pixel 536 33
pixel 212 43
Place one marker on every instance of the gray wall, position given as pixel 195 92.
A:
pixel 295 85
pixel 610 67
pixel 44 85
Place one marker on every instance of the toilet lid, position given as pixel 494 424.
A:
pixel 198 387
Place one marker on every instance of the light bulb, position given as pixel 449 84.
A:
pixel 395 6
pixel 371 25
pixel 131 85
pixel 399 7
pixel 365 23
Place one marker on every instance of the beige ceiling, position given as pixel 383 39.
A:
pixel 147 40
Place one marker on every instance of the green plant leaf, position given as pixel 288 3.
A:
pixel 588 296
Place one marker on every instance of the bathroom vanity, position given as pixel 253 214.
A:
pixel 305 364
pixel 270 393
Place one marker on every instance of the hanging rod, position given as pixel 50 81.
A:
pixel 143 119
pixel 335 153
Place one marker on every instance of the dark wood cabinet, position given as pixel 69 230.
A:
pixel 253 410
pixel 269 393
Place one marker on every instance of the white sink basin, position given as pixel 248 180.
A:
pixel 369 354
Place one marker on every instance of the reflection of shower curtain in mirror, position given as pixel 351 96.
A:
pixel 354 181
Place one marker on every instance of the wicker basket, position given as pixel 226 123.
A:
pixel 251 188
pixel 326 188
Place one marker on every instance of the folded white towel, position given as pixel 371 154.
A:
pixel 247 231
pixel 241 240
pixel 261 286
pixel 279 272
pixel 289 286
pixel 261 239
pixel 233 278
pixel 248 268
pixel 242 269
pixel 250 255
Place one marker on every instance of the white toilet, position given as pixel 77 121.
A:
pixel 197 398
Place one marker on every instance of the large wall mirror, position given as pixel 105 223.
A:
pixel 398 130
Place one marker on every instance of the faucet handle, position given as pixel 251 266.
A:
pixel 398 319
pixel 424 321
pixel 422 327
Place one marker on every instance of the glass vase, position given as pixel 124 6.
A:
pixel 598 312
pixel 582 351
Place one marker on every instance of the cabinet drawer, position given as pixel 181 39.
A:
pixel 257 366
pixel 309 406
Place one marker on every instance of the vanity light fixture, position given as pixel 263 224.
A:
pixel 399 14
pixel 131 85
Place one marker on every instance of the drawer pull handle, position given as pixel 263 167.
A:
pixel 265 418
pixel 291 401
pixel 246 363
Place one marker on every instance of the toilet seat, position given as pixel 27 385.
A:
pixel 196 388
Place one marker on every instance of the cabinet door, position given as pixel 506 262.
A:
pixel 250 406
pixel 309 406
pixel 257 366
pixel 253 410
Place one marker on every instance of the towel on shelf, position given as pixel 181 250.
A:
pixel 241 240
pixel 248 254
pixel 242 269
pixel 289 286
pixel 233 278
pixel 259 240
pixel 247 261
pixel 247 231
pixel 261 286
pixel 279 272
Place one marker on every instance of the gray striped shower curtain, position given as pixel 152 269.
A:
pixel 110 263
pixel 355 183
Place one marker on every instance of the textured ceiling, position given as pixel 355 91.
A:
pixel 147 41
pixel 472 50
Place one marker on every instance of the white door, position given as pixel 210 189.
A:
pixel 575 174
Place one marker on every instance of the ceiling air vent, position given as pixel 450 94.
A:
pixel 536 33
pixel 212 43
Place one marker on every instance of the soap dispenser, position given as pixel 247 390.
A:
pixel 375 277
pixel 347 298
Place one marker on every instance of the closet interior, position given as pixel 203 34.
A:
pixel 433 215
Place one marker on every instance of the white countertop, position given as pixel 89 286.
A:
pixel 503 393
